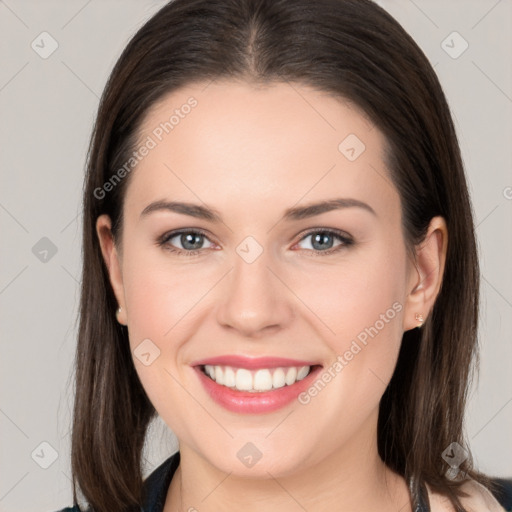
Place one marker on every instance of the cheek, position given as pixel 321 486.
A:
pixel 360 309
pixel 160 295
pixel 350 297
pixel 160 304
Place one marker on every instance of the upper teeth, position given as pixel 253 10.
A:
pixel 256 380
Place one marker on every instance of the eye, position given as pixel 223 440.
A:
pixel 323 241
pixel 191 242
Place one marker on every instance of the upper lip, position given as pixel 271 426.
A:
pixel 252 362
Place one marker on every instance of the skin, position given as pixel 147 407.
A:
pixel 251 153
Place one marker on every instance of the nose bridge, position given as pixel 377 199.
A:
pixel 253 297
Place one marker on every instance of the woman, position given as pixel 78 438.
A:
pixel 280 262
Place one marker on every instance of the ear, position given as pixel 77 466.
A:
pixel 426 273
pixel 112 261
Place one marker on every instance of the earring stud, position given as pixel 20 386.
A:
pixel 118 312
pixel 419 318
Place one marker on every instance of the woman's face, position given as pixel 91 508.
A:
pixel 264 274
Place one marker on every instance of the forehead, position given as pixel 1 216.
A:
pixel 234 145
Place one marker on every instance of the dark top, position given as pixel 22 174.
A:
pixel 157 484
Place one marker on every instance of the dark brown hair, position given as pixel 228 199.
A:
pixel 353 50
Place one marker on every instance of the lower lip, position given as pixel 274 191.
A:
pixel 259 402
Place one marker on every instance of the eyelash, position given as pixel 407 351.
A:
pixel 346 240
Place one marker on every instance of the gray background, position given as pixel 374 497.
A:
pixel 47 106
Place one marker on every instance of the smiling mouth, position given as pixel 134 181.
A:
pixel 256 381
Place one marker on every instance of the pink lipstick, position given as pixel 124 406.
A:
pixel 255 385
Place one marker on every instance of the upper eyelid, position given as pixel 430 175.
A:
pixel 174 233
pixel 337 232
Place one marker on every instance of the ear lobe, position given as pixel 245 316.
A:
pixel 112 261
pixel 426 280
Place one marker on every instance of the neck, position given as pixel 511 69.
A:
pixel 351 479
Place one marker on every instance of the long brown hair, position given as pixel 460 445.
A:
pixel 352 49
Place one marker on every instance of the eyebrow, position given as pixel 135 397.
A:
pixel 295 213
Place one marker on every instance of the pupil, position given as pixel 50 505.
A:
pixel 322 240
pixel 191 241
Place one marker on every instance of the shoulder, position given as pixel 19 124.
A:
pixel 156 485
pixel 478 499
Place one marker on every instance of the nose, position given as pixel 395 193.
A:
pixel 254 300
